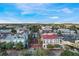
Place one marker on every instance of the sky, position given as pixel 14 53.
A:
pixel 39 12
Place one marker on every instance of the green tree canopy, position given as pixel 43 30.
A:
pixel 59 32
pixel 19 45
pixel 35 28
pixel 9 45
pixel 69 53
pixel 73 27
pixel 3 45
pixel 13 31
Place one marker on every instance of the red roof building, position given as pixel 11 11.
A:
pixel 50 38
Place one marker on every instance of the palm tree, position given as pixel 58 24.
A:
pixel 73 27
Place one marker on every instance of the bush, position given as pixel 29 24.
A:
pixel 69 53
pixel 19 45
pixel 41 52
pixel 3 52
pixel 25 52
pixel 57 46
pixel 50 46
pixel 3 45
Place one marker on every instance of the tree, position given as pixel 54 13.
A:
pixel 3 45
pixel 73 27
pixel 55 26
pixel 59 32
pixel 35 28
pixel 19 45
pixel 69 53
pixel 13 31
pixel 9 45
pixel 62 26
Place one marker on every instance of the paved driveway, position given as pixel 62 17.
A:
pixel 55 53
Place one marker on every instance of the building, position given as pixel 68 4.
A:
pixel 66 31
pixel 50 38
pixel 20 36
pixel 76 41
pixel 46 29
pixel 5 30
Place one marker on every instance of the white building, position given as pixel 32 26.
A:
pixel 46 29
pixel 20 30
pixel 5 30
pixel 76 41
pixel 66 31
pixel 50 38
pixel 16 38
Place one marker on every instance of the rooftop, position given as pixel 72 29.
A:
pixel 49 36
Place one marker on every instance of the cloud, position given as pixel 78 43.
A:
pixel 28 8
pixel 15 20
pixel 54 17
pixel 9 20
pixel 66 10
pixel 32 8
pixel 35 13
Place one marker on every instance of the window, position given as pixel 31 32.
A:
pixel 55 41
pixel 47 41
pixel 50 41
pixel 44 45
pixel 44 41
pixel 14 37
pixel 34 48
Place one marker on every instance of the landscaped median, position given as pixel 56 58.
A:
pixel 56 46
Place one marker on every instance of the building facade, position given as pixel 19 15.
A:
pixel 20 36
pixel 50 38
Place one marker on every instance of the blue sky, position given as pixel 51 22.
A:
pixel 39 13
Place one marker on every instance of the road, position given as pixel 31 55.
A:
pixel 55 53
pixel 13 52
